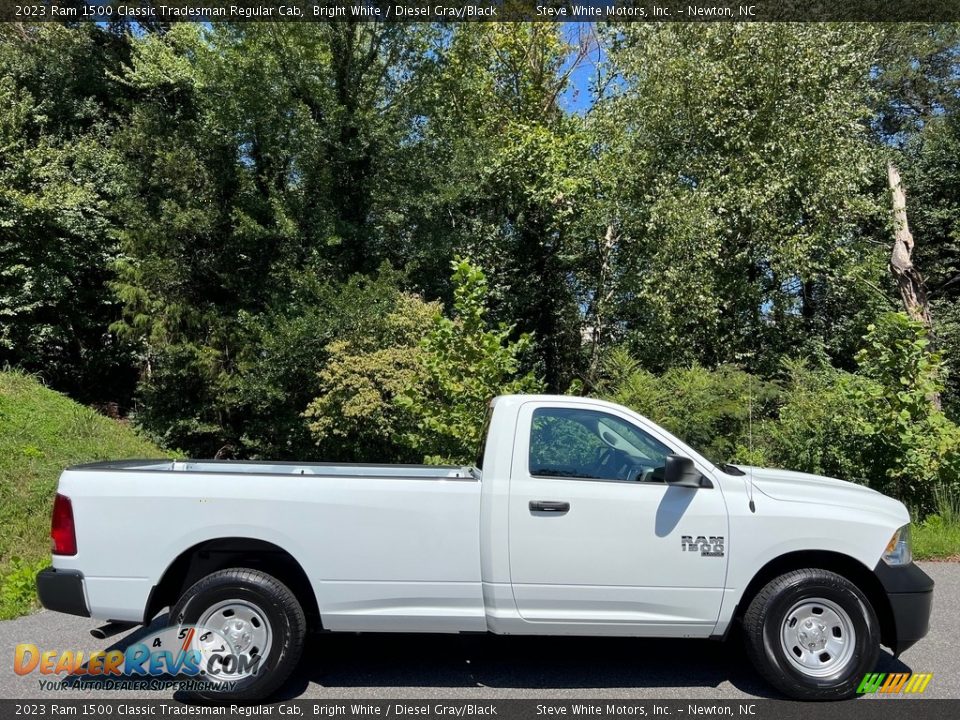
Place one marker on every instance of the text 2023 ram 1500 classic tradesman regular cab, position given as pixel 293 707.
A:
pixel 581 518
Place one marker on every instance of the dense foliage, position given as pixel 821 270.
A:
pixel 243 234
pixel 712 410
pixel 59 181
pixel 417 386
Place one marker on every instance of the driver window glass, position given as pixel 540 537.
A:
pixel 575 443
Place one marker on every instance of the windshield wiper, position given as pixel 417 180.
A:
pixel 731 469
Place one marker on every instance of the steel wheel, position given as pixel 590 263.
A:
pixel 245 628
pixel 818 638
pixel 259 623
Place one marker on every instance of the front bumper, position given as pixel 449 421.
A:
pixel 62 591
pixel 910 592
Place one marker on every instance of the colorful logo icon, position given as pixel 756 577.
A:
pixel 894 683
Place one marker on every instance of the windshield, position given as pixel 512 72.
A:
pixel 719 461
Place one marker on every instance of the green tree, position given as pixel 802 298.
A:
pixel 188 400
pixel 510 180
pixel 917 118
pixel 746 208
pixel 716 411
pixel 59 181
pixel 466 364
pixel 356 416
pixel 252 189
pixel 415 386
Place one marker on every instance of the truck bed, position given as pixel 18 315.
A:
pixel 386 547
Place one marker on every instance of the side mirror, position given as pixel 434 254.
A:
pixel 681 471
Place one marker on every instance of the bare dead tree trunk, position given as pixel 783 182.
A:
pixel 913 291
pixel 909 282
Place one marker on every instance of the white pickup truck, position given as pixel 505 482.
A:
pixel 581 517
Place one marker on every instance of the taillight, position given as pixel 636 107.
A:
pixel 62 531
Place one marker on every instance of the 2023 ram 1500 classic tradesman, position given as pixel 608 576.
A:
pixel 581 518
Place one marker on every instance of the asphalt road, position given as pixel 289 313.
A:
pixel 484 666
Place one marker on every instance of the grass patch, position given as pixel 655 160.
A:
pixel 938 536
pixel 41 433
pixel 934 539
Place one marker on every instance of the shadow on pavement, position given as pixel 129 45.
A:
pixel 515 662
pixel 349 660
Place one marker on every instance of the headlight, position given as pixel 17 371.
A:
pixel 898 550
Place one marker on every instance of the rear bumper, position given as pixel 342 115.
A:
pixel 910 592
pixel 62 591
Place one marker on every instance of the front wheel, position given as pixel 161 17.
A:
pixel 249 629
pixel 812 634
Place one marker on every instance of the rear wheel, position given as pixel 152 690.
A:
pixel 812 634
pixel 254 626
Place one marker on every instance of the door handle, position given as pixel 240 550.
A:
pixel 550 506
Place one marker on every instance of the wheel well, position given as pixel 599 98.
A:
pixel 210 556
pixel 843 565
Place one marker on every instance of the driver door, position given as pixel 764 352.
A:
pixel 597 538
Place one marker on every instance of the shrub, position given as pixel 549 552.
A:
pixel 822 427
pixel 466 363
pixel 922 446
pixel 880 425
pixel 244 394
pixel 417 388
pixel 717 411
pixel 356 416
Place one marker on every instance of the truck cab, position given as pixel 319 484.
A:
pixel 592 537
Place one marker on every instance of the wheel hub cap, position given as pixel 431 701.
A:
pixel 813 635
pixel 238 632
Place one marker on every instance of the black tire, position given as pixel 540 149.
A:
pixel 277 604
pixel 768 631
